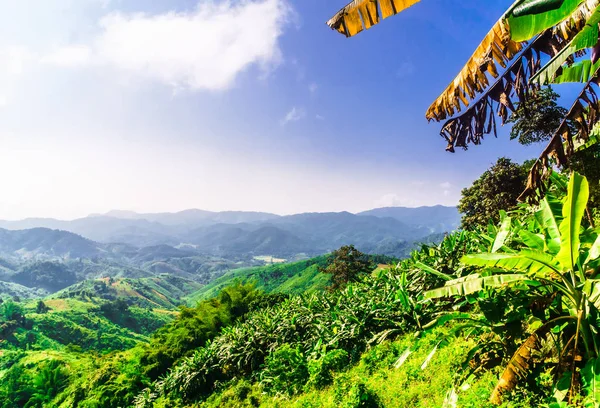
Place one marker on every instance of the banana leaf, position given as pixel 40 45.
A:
pixel 529 7
pixel 528 261
pixel 590 378
pixel 469 286
pixel 586 38
pixel 547 216
pixel 525 27
pixel 533 241
pixel 595 250
pixel 591 288
pixel 350 19
pixel 581 71
pixel 518 365
pixel 432 271
pixel 570 227
pixel 502 234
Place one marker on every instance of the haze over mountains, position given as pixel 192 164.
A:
pixel 242 232
pixel 50 254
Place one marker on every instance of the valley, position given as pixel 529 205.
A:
pixel 43 256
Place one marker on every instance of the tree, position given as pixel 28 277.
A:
pixel 537 117
pixel 534 43
pixel 346 265
pixel 535 120
pixel 41 307
pixel 587 163
pixel 497 189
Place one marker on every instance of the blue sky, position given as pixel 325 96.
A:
pixel 255 105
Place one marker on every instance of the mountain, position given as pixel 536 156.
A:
pixel 437 218
pixel 239 239
pixel 331 230
pixel 199 245
pixel 239 231
pixel 43 260
pixel 50 276
pixel 35 242
pixel 101 314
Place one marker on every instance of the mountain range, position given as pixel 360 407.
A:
pixel 243 232
pixel 49 255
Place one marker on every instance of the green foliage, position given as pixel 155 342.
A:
pixel 561 265
pixel 352 319
pixel 294 277
pixel 346 265
pixel 285 371
pixel 22 388
pixel 537 117
pixel 41 307
pixel 497 189
pixel 590 378
pixel 519 300
pixel 587 163
pixel 355 394
pixel 321 370
pixel 194 327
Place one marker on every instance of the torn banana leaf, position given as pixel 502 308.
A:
pixel 360 15
pixel 584 113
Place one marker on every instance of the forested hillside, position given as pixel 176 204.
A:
pixel 42 261
pixel 436 329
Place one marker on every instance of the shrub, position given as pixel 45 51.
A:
pixel 285 372
pixel 321 370
pixel 354 393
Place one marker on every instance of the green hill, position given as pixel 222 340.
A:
pixel 102 315
pixel 295 277
pixel 164 291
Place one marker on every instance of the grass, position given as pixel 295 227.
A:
pixel 378 382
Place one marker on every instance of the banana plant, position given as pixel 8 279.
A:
pixel 558 254
pixel 534 42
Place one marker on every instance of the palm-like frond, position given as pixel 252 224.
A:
pixel 497 47
pixel 507 48
pixel 363 14
pixel 585 113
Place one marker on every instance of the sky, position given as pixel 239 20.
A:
pixel 230 105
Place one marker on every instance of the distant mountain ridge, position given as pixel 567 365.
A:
pixel 141 230
pixel 438 218
pixel 49 255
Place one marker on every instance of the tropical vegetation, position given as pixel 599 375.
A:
pixel 504 312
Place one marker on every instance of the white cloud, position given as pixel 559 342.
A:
pixel 13 62
pixel 313 88
pixel 69 56
pixel 394 200
pixel 319 117
pixel 446 186
pixel 294 115
pixel 15 59
pixel 204 49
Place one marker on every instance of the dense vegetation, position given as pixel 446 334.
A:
pixel 498 188
pixel 518 301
